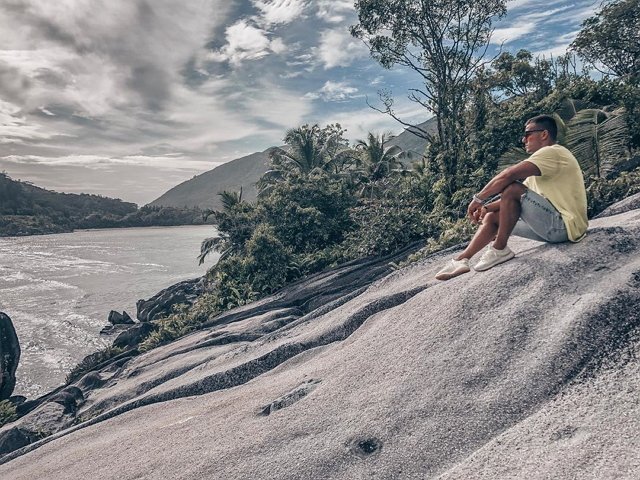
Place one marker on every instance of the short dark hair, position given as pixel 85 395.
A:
pixel 546 122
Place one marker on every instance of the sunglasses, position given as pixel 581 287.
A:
pixel 527 133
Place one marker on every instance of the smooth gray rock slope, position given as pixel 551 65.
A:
pixel 528 370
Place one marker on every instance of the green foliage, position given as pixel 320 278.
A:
pixel 598 139
pixel 521 74
pixel 235 225
pixel 389 223
pixel 310 149
pixel 375 162
pixel 27 210
pixel 183 321
pixel 628 95
pixel 602 192
pixel 7 412
pixel 92 361
pixel 611 38
pixel 309 213
pixel 451 233
pixel 442 42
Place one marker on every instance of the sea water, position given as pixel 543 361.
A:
pixel 59 289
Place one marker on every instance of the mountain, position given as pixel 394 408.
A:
pixel 528 370
pixel 412 143
pixel 202 190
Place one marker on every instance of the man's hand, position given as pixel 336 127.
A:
pixel 483 212
pixel 474 212
pixel 477 211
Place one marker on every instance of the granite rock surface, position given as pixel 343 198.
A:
pixel 528 370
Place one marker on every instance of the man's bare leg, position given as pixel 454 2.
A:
pixel 485 234
pixel 509 213
pixel 497 225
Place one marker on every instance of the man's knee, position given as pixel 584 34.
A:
pixel 491 217
pixel 513 191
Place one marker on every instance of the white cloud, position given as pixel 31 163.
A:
pixel 537 23
pixel 274 105
pixel 279 11
pixel 510 34
pixel 305 59
pixel 277 45
pixel 131 53
pixel 333 92
pixel 524 25
pixel 335 11
pixel 246 42
pixel 339 49
pixel 287 75
pixel 560 48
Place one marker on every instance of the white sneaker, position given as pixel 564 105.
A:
pixel 453 268
pixel 492 257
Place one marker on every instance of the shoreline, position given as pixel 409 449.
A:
pixel 60 301
pixel 105 228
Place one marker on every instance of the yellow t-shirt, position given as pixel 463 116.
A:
pixel 562 184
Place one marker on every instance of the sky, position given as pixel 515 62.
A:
pixel 128 98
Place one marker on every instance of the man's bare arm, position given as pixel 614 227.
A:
pixel 497 184
pixel 509 175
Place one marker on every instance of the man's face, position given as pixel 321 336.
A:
pixel 534 137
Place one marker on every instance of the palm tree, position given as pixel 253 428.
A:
pixel 230 199
pixel 377 161
pixel 309 149
pixel 222 243
pixel 598 139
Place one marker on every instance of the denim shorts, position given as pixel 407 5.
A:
pixel 539 220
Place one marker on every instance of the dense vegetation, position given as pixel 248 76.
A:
pixel 324 201
pixel 26 210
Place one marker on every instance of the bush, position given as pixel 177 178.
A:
pixel 308 214
pixel 182 322
pixel 603 192
pixel 92 361
pixel 7 412
pixel 385 226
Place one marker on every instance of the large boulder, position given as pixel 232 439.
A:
pixel 630 203
pixel 9 356
pixel 55 412
pixel 133 335
pixel 117 318
pixel 161 304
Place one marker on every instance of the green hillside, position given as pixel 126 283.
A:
pixel 202 190
pixel 26 209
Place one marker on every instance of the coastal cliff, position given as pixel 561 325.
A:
pixel 528 370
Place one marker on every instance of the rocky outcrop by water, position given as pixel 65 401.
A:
pixel 528 370
pixel 9 356
pixel 162 304
pixel 117 318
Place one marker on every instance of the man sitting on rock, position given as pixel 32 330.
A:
pixel 542 198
